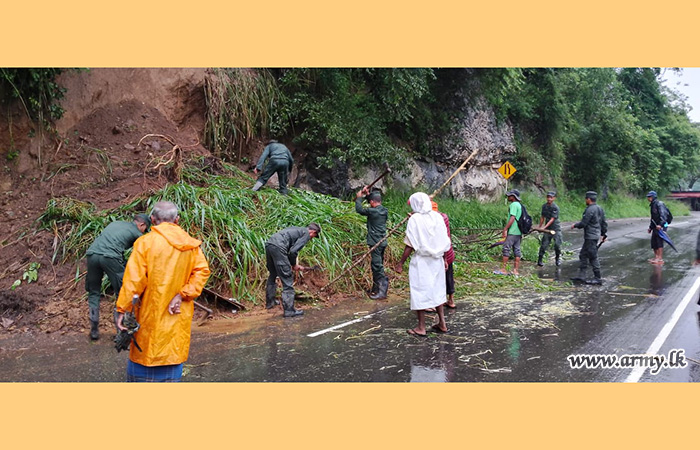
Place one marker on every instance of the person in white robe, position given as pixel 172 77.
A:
pixel 426 238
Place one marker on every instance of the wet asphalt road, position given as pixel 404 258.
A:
pixel 624 316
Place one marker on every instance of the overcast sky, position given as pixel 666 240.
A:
pixel 688 83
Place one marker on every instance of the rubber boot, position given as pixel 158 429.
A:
pixel 293 312
pixel 539 260
pixel 270 292
pixel 257 185
pixel 288 305
pixel 94 323
pixel 596 280
pixel 581 276
pixel 383 288
pixel 557 259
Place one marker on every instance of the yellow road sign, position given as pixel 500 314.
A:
pixel 507 170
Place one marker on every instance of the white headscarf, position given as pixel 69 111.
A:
pixel 426 230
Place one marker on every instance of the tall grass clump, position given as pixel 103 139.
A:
pixel 75 224
pixel 233 224
pixel 240 103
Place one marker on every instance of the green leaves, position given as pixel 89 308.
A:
pixel 29 275
pixel 36 89
pixel 352 115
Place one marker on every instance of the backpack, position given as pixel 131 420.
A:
pixel 525 221
pixel 669 216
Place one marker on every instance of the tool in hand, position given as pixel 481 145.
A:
pixel 387 170
pixel 124 337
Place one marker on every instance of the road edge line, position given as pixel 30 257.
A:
pixel 655 346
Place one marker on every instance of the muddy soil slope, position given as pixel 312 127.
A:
pixel 98 155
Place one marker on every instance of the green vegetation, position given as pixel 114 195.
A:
pixel 29 275
pixel 36 89
pixel 240 104
pixel 587 128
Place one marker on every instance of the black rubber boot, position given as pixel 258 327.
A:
pixel 293 312
pixel 381 292
pixel 270 292
pixel 596 280
pixel 581 276
pixel 94 323
pixel 539 260
pixel 557 259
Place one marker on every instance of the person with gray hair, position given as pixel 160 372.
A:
pixel 281 252
pixel 106 257
pixel 165 211
pixel 167 270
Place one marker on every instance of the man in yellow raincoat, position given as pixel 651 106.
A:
pixel 167 270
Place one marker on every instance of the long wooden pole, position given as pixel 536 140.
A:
pixel 393 230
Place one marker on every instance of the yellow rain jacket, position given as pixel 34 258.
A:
pixel 163 262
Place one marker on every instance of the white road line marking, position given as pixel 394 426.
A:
pixel 335 327
pixel 637 372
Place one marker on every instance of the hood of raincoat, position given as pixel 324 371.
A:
pixel 176 236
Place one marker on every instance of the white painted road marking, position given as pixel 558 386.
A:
pixel 637 372
pixel 335 327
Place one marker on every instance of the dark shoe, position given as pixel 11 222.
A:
pixel 383 288
pixel 272 305
pixel 595 281
pixel 581 276
pixel 94 330
pixel 293 313
pixel 539 262
pixel 557 261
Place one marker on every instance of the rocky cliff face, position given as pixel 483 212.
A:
pixel 475 128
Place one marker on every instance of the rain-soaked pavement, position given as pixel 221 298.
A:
pixel 485 342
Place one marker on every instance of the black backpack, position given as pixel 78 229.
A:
pixel 525 221
pixel 669 216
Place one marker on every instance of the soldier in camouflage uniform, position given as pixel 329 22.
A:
pixel 659 217
pixel 376 230
pixel 594 227
pixel 550 219
pixel 280 162
pixel 281 251
pixel 106 256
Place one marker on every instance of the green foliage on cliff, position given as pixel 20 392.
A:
pixel 596 128
pixel 36 89
pixel 354 116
